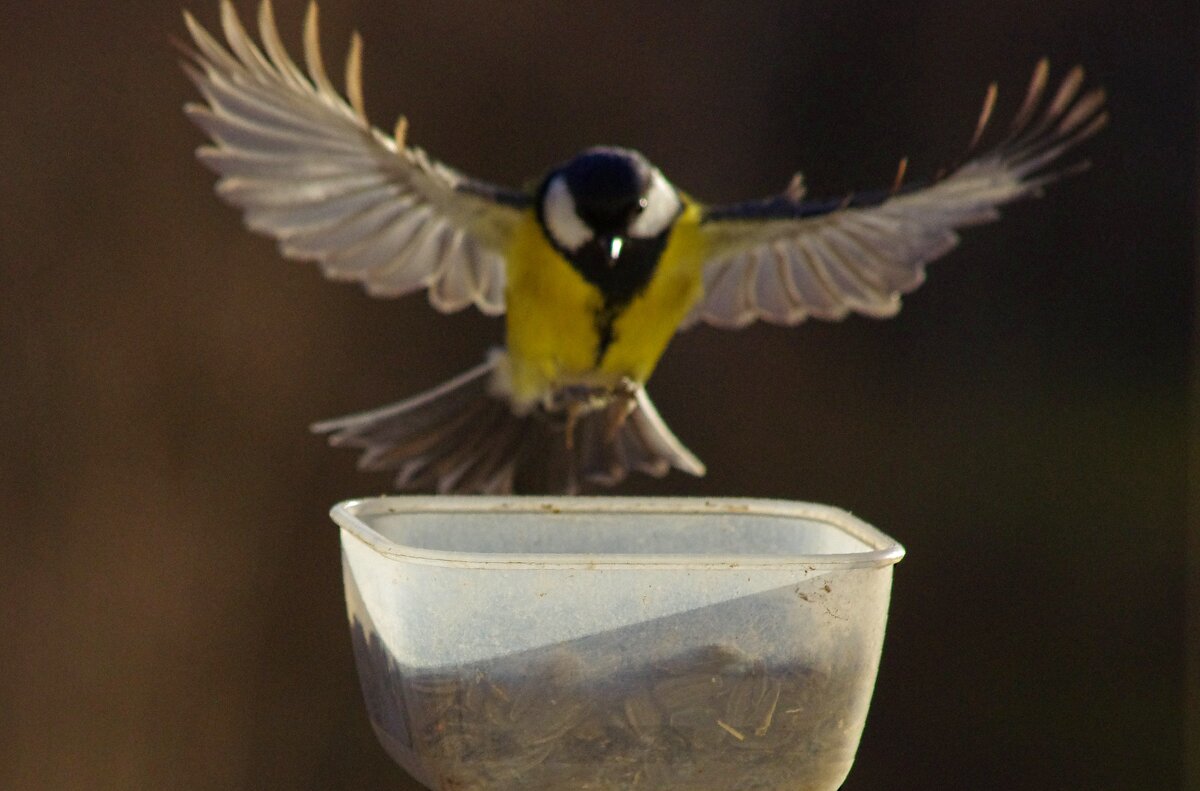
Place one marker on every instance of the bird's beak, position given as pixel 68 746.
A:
pixel 612 249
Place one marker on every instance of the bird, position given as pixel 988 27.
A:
pixel 595 267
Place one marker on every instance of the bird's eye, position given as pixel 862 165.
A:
pixel 657 209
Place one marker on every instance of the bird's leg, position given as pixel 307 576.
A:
pixel 625 394
pixel 574 410
pixel 573 402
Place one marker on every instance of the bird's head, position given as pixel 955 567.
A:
pixel 602 200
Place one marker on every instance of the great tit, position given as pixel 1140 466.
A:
pixel 595 269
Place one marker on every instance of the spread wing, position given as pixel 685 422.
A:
pixel 784 259
pixel 307 168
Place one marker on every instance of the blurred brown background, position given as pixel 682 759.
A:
pixel 171 591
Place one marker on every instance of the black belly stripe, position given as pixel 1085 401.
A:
pixel 605 334
pixel 619 284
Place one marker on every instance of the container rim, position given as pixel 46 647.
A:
pixel 348 515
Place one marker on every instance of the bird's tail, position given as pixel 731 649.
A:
pixel 464 437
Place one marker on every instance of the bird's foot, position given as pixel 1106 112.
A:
pixel 573 402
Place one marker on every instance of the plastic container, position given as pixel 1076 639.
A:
pixel 615 643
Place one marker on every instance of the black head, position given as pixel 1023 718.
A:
pixel 609 188
pixel 605 196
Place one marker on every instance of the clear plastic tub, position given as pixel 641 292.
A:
pixel 615 643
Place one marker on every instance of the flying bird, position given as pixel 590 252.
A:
pixel 595 269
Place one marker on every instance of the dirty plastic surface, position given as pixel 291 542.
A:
pixel 615 643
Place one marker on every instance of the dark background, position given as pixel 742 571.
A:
pixel 170 579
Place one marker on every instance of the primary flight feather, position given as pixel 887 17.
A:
pixel 595 269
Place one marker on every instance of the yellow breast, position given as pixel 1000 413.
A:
pixel 553 336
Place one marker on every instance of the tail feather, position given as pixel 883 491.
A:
pixel 642 443
pixel 464 437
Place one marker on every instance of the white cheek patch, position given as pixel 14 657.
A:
pixel 662 207
pixel 562 222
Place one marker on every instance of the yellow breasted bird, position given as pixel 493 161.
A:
pixel 596 269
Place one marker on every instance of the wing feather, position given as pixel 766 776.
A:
pixel 769 298
pixel 784 259
pixel 345 232
pixel 723 288
pixel 290 219
pixel 305 166
pixel 808 287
